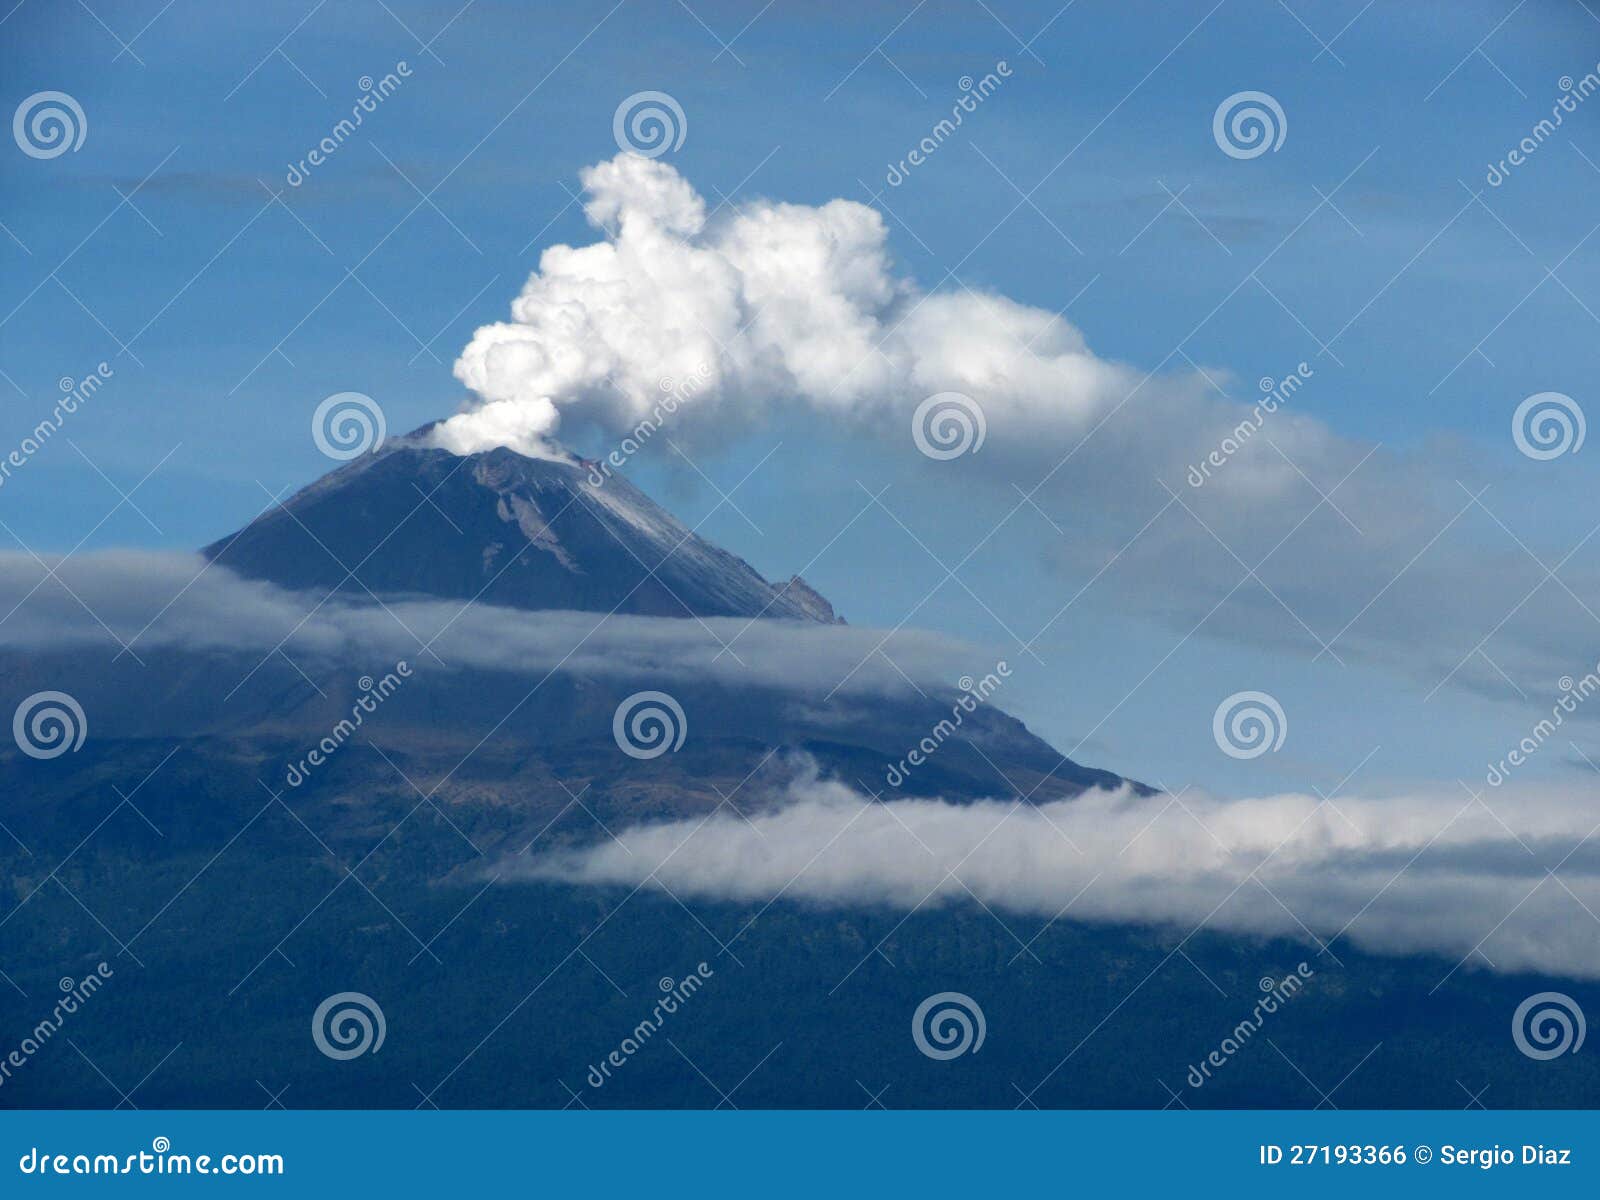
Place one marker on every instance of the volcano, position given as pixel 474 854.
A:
pixel 231 884
pixel 530 544
pixel 239 847
pixel 504 529
pixel 501 529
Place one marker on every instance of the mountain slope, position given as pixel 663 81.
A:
pixel 508 530
pixel 195 823
pixel 504 529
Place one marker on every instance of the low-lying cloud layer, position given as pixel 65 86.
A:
pixel 174 600
pixel 1515 888
pixel 1512 890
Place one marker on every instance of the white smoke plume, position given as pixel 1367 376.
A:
pixel 771 303
pixel 1359 551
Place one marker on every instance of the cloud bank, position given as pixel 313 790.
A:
pixel 1421 874
pixel 174 600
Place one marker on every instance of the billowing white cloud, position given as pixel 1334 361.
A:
pixel 1354 549
pixel 1436 874
pixel 768 304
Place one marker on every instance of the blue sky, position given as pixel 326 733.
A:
pixel 1427 316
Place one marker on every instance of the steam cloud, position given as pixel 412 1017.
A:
pixel 773 303
pixel 1359 552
